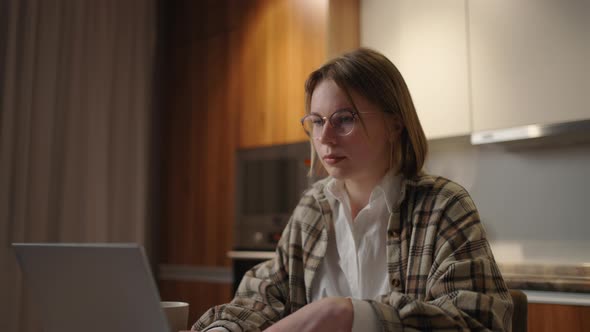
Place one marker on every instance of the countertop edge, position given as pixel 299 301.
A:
pixel 551 297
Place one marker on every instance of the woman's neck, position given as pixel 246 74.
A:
pixel 359 193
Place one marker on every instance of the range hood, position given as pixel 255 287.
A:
pixel 579 128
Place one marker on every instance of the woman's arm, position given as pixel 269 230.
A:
pixel 328 314
pixel 276 288
pixel 464 289
pixel 260 300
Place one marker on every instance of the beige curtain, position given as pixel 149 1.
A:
pixel 75 107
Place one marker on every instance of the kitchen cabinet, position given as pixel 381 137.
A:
pixel 480 65
pixel 530 62
pixel 278 44
pixel 557 317
pixel 427 41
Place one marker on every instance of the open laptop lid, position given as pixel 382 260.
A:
pixel 91 287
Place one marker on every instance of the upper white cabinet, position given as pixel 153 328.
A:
pixel 530 62
pixel 427 41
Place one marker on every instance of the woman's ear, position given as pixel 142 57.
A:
pixel 395 126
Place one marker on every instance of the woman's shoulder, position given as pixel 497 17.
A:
pixel 309 205
pixel 317 188
pixel 429 187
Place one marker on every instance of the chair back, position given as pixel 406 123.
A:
pixel 520 315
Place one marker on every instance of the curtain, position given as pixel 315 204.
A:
pixel 76 83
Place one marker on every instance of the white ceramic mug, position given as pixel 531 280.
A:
pixel 177 314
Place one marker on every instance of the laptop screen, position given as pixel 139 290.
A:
pixel 91 287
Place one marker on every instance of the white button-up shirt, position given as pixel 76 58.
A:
pixel 355 264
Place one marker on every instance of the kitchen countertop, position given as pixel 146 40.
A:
pixel 542 282
pixel 564 298
pixel 547 277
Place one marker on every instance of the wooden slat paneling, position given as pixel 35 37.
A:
pixel 199 144
pixel 344 27
pixel 278 46
pixel 233 73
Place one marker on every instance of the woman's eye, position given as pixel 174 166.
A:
pixel 345 119
pixel 318 122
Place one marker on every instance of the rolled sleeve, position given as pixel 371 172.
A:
pixel 365 318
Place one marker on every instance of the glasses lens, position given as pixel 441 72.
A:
pixel 313 124
pixel 343 122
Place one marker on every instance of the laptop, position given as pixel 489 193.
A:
pixel 91 287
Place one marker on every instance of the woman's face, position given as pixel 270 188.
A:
pixel 360 155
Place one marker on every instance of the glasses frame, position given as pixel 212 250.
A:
pixel 326 119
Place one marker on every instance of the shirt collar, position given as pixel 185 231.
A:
pixel 335 189
pixel 389 186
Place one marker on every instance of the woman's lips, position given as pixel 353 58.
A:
pixel 332 159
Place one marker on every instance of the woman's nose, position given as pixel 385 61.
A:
pixel 328 134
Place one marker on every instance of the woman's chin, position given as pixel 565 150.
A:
pixel 336 173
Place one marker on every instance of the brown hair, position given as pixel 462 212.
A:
pixel 373 76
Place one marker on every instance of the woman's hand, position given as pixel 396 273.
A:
pixel 328 314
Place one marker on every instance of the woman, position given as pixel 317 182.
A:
pixel 378 244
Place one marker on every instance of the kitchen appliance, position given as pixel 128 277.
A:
pixel 269 183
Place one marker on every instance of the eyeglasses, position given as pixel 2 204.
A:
pixel 341 121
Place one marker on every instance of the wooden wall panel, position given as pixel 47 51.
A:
pixel 278 46
pixel 199 147
pixel 233 73
pixel 306 51
pixel 554 317
pixel 344 27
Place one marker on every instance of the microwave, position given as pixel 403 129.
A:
pixel 269 183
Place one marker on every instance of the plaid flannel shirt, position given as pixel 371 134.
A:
pixel 442 272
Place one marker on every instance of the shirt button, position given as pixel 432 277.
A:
pixel 394 234
pixel 395 283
